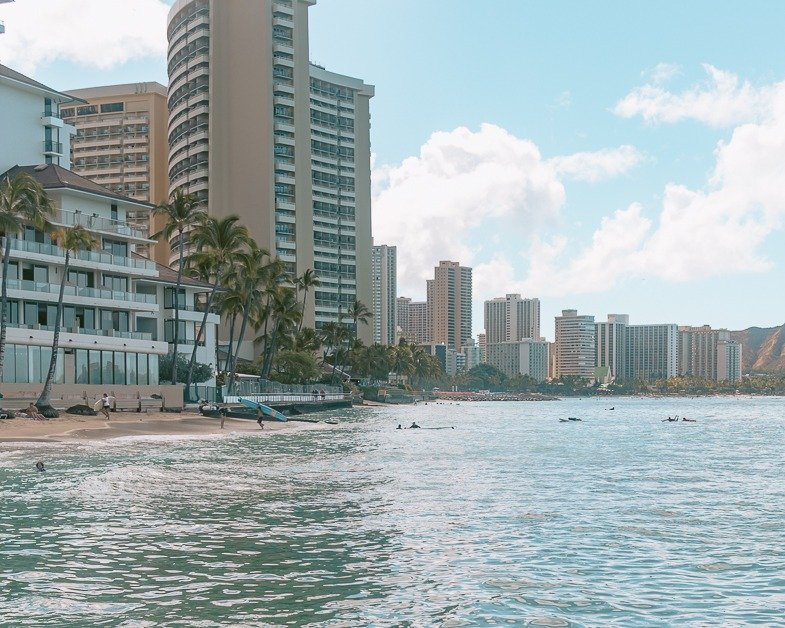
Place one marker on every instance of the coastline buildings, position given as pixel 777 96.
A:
pixel 414 321
pixel 611 347
pixel 652 352
pixel 117 305
pixel 258 131
pixel 450 304
pixel 709 353
pixel 121 144
pixel 575 345
pixel 385 279
pixel 511 318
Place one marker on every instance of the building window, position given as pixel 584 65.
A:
pixel 111 107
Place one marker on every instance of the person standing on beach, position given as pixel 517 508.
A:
pixel 105 405
pixel 259 416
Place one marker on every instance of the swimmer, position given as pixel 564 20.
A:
pixel 40 466
pixel 413 426
pixel 399 427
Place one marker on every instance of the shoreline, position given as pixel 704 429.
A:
pixel 80 429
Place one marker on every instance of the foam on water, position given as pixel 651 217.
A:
pixel 512 518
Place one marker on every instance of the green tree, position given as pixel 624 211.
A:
pixel 72 240
pixel 359 313
pixel 216 242
pixel 201 372
pixel 22 202
pixel 286 314
pixel 182 214
pixel 305 282
pixel 295 367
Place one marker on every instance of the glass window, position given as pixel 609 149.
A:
pixel 116 247
pixel 46 358
pixel 9 365
pixel 95 367
pixel 22 364
pixel 60 367
pixel 69 317
pixel 41 274
pixel 82 376
pixel 111 107
pixel 107 367
pixel 169 298
pixel 130 368
pixel 31 313
pixel 142 369
pixel 13 270
pixel 81 278
pixel 119 368
pixel 13 312
pixel 153 370
pixel 115 282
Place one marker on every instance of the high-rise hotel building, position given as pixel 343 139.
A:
pixel 512 318
pixel 258 131
pixel 575 345
pixel 450 304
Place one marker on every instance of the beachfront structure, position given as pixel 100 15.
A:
pixel 611 346
pixel 446 355
pixel 32 130
pixel 118 306
pixel 121 143
pixel 482 344
pixel 258 131
pixel 575 345
pixel 402 318
pixel 652 352
pixel 729 353
pixel 708 353
pixel 414 321
pixel 450 304
pixel 524 357
pixel 384 281
pixel 511 318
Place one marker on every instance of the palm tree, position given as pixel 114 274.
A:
pixel 182 214
pixel 359 313
pixel 22 201
pixel 217 242
pixel 72 240
pixel 334 335
pixel 304 282
pixel 251 276
pixel 286 313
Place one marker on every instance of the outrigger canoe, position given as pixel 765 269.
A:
pixel 266 410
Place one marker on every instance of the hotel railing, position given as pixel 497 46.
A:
pixel 76 291
pixel 97 223
pixel 109 333
pixel 100 257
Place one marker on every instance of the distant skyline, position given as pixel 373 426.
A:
pixel 604 157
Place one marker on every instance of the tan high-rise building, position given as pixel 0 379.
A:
pixel 256 130
pixel 450 304
pixel 121 144
pixel 511 318
pixel 575 345
pixel 414 323
pixel 708 353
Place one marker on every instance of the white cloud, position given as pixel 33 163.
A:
pixel 98 33
pixel 721 101
pixel 663 72
pixel 598 165
pixel 461 181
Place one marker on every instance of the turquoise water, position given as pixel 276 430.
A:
pixel 510 518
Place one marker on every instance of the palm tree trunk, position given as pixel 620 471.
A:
pixel 176 303
pixel 302 314
pixel 4 301
pixel 207 309
pixel 233 365
pixel 230 348
pixel 43 399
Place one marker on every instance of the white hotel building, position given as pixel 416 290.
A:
pixel 118 306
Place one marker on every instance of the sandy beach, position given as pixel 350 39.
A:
pixel 81 428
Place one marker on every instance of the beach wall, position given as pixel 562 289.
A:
pixel 66 395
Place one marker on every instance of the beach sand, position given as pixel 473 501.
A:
pixel 80 428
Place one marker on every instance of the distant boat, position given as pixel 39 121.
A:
pixel 266 410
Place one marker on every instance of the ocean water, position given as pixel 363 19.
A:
pixel 510 518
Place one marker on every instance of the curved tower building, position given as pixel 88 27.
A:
pixel 256 130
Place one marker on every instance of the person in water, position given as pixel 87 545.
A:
pixel 399 427
pixel 40 466
pixel 413 426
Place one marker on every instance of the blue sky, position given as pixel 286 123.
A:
pixel 607 156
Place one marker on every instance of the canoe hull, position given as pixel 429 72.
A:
pixel 266 410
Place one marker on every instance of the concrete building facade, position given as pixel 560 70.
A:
pixel 256 130
pixel 611 345
pixel 512 318
pixel 121 143
pixel 575 346
pixel 708 353
pixel 450 304
pixel 385 298
pixel 524 357
pixel 31 127
pixel 652 352
pixel 729 354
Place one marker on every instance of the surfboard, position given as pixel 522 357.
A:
pixel 266 410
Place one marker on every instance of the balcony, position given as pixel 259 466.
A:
pixel 51 118
pixel 92 257
pixel 53 148
pixel 75 291
pixel 108 333
pixel 96 223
